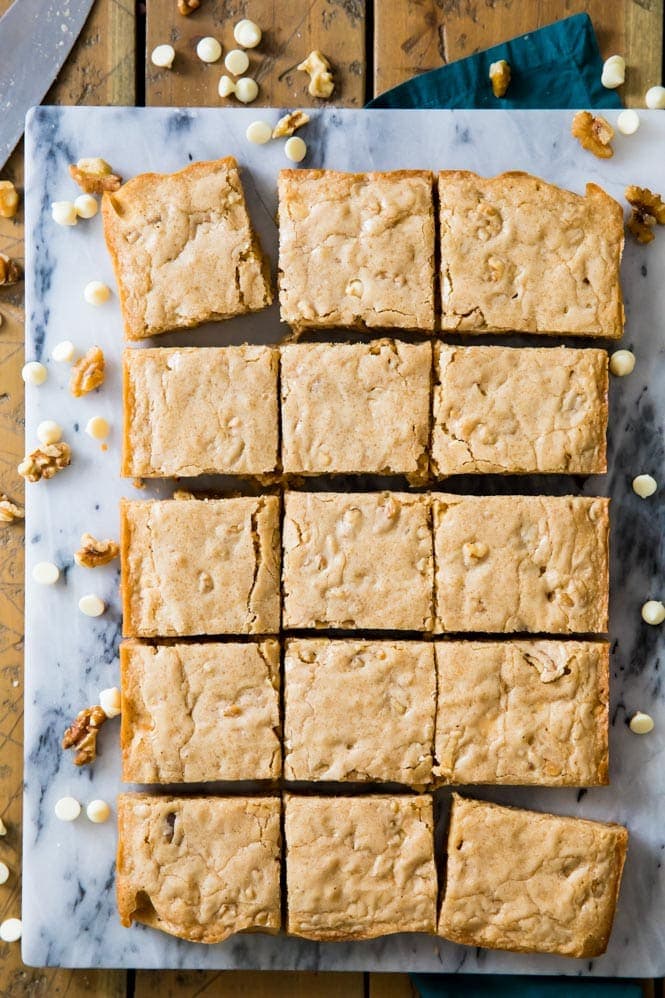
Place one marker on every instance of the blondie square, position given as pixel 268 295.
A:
pixel 356 249
pixel 521 563
pixel 530 882
pixel 193 713
pixel 201 868
pixel 522 712
pixel 518 254
pixel 357 560
pixel 359 710
pixel 200 411
pixel 359 867
pixel 499 410
pixel 192 566
pixel 356 408
pixel 183 249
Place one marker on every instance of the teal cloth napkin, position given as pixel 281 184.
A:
pixel 456 986
pixel 555 67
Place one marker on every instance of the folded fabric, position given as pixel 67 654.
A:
pixel 555 67
pixel 465 986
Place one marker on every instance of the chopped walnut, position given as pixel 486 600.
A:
pixel 500 77
pixel 94 176
pixel 593 133
pixel 8 199
pixel 9 511
pixel 94 553
pixel 186 7
pixel 45 462
pixel 87 373
pixel 321 83
pixel 10 270
pixel 82 734
pixel 648 211
pixel 289 124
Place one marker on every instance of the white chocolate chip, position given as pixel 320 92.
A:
pixel 64 352
pixel 209 50
pixel 49 432
pixel 247 89
pixel 354 288
pixel 46 573
pixel 10 930
pixel 259 132
pixel 91 605
pixel 641 724
pixel 34 373
pixel 247 34
pixel 237 62
pixel 3 827
pixel 162 56
pixel 67 809
pixel 86 206
pixel 4 873
pixel 622 362
pixel 644 486
pixel 226 87
pixel 653 612
pixel 655 98
pixel 64 212
pixel 109 701
pixel 614 72
pixel 97 428
pixel 628 121
pixel 295 149
pixel 96 292
pixel 98 811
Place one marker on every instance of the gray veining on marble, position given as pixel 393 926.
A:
pixel 68 904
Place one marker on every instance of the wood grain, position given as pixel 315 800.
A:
pixel 291 29
pixel 244 984
pixel 416 35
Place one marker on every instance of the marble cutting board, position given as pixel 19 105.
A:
pixel 69 916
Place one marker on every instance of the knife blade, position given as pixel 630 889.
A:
pixel 36 36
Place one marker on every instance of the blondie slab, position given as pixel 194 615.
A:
pixel 530 882
pixel 508 411
pixel 196 566
pixel 199 411
pixel 521 563
pixel 357 560
pixel 359 710
pixel 522 712
pixel 183 249
pixel 356 408
pixel 520 254
pixel 359 867
pixel 356 249
pixel 201 868
pixel 200 712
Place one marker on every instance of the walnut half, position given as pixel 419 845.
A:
pixel 500 77
pixel 10 270
pixel 45 462
pixel 593 133
pixel 94 176
pixel 289 123
pixel 8 199
pixel 9 511
pixel 82 734
pixel 94 553
pixel 87 373
pixel 321 83
pixel 186 7
pixel 648 211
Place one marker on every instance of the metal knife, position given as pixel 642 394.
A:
pixel 36 36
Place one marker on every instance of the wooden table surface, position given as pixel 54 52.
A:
pixel 371 49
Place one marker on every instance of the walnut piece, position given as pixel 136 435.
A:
pixel 9 511
pixel 593 133
pixel 94 553
pixel 45 462
pixel 186 7
pixel 8 199
pixel 10 270
pixel 94 176
pixel 500 77
pixel 82 734
pixel 87 373
pixel 289 124
pixel 321 83
pixel 648 211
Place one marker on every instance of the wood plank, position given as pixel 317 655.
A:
pixel 418 35
pixel 100 70
pixel 391 986
pixel 291 29
pixel 246 984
